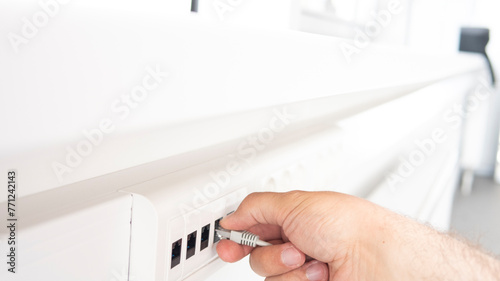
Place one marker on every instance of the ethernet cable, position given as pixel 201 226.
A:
pixel 241 237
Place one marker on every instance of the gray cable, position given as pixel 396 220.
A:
pixel 241 237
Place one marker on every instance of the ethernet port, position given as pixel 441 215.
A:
pixel 216 226
pixel 205 234
pixel 191 245
pixel 176 253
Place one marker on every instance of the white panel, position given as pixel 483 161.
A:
pixel 79 69
pixel 88 241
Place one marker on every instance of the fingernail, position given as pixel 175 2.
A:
pixel 291 257
pixel 315 272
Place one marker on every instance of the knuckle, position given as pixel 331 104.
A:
pixel 252 197
pixel 295 195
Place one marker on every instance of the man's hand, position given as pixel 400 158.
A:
pixel 333 236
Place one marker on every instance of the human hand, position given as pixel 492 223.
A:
pixel 348 239
pixel 337 231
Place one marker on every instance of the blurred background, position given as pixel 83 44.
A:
pixel 424 24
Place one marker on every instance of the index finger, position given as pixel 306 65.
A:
pixel 262 208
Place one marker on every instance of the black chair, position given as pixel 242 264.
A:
pixel 474 40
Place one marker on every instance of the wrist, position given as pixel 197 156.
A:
pixel 391 248
pixel 373 247
pixel 384 242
